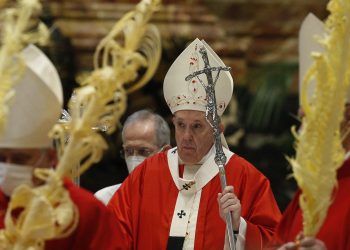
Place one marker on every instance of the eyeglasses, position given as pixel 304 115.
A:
pixel 145 152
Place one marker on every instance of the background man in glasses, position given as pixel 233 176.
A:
pixel 144 134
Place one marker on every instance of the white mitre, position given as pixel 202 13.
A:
pixel 180 94
pixel 37 103
pixel 311 29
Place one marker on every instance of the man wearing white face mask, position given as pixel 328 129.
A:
pixel 25 145
pixel 16 167
pixel 144 134
pixel 24 142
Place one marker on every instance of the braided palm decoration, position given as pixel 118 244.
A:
pixel 95 107
pixel 319 151
pixel 101 100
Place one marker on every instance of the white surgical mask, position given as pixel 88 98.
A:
pixel 133 161
pixel 13 175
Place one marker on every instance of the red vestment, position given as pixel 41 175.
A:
pixel 95 231
pixel 335 231
pixel 145 202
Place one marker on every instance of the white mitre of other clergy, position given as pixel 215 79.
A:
pixel 36 105
pixel 180 94
pixel 311 29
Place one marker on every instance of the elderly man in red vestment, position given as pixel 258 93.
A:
pixel 334 234
pixel 25 145
pixel 170 200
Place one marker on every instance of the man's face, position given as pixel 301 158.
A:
pixel 140 139
pixel 193 134
pixel 18 164
pixel 24 156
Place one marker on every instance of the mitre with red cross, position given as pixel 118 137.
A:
pixel 181 94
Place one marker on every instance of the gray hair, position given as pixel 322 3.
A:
pixel 161 127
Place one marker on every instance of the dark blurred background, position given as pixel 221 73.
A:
pixel 257 38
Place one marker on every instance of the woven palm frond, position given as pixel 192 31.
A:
pixel 319 151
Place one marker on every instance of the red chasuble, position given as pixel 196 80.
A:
pixel 144 206
pixel 335 231
pixel 96 230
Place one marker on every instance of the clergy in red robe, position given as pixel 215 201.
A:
pixel 335 230
pixel 96 229
pixel 334 234
pixel 170 200
pixel 25 145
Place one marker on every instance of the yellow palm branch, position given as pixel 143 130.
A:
pixel 319 151
pixel 131 45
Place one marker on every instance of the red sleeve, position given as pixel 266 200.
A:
pixel 96 228
pixel 3 207
pixel 122 206
pixel 143 206
pixel 119 205
pixel 263 219
pixel 259 207
pixel 290 224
